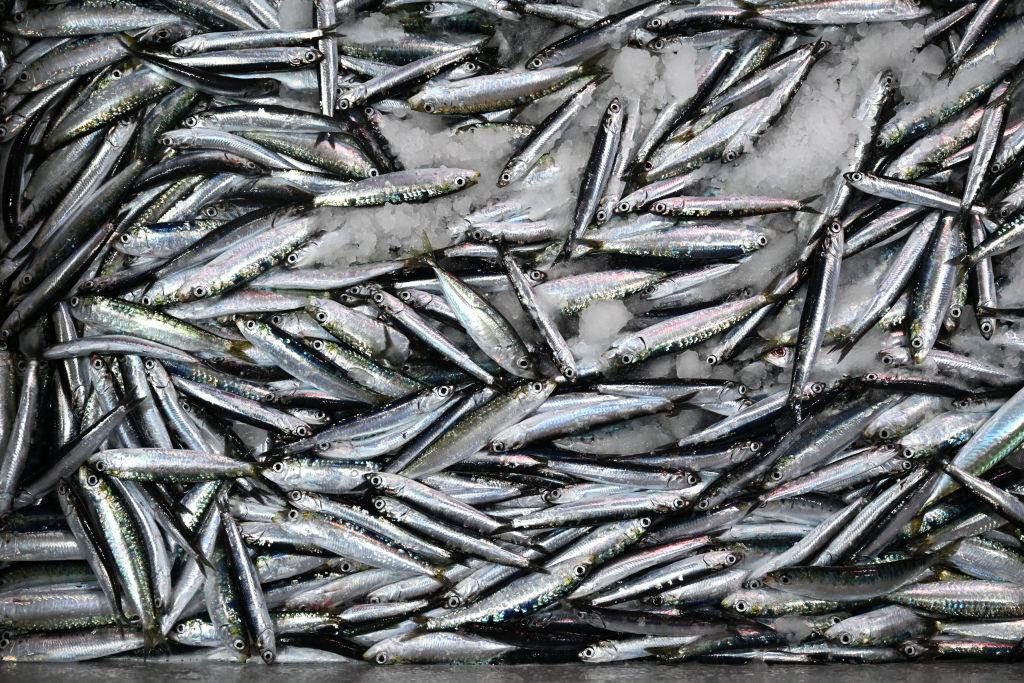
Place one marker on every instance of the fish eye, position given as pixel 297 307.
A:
pixel 344 104
pixel 165 140
pixel 523 363
pixel 614 107
pixel 115 74
pixel 268 656
pixel 376 481
pixel 730 559
pixel 917 342
pixel 626 359
pixel 955 311
pixel 178 51
pixel 645 522
pixel 321 316
pixel 309 56
pixel 887 80
pixel 568 373
pixel 293 515
pixel 379 505
pixel 381 658
pixel 318 344
pixel 536 63
pixel 453 601
pixel 537 275
pixel 579 570
pixel 18 17
pixel 763 240
pixel 703 504
pixel 23 76
pixel 181 628
pixel 192 121
pixel 730 155
pixel 537 387
pixel 100 465
pixel 404 296
pixel 856 176
pixel 294 495
pixel 834 228
pixel 660 207
pixel 776 475
pixel 238 644
pixel 75 301
pixel 741 606
pixel 588 652
pixel 444 390
pixel 460 182
pixel 429 107
pixel 623 207
pixel 92 480
pixel 145 301
pixel 784 579
pixel 302 430
pixel 199 291
pixel 97 363
pixel 251 324
pixel 712 359
pixel 373 173
pixel 278 467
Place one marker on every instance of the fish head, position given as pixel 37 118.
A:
pixel 510 439
pixel 627 351
pixel 602 651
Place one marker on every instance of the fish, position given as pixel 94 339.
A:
pixel 431 333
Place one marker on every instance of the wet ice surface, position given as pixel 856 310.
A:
pixel 528 673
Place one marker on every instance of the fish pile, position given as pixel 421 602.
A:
pixel 262 449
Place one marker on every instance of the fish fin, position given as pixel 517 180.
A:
pixel 129 43
pixel 332 30
pixel 844 348
pixel 592 66
pixel 427 250
pixel 809 209
pixel 663 651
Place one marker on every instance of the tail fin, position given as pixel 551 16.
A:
pixel 804 208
